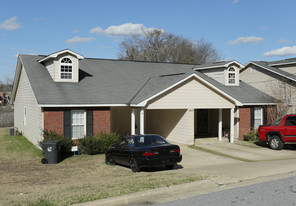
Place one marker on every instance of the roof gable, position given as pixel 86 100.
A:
pixel 274 70
pixel 56 54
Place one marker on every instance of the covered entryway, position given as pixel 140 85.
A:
pixel 212 123
pixel 173 113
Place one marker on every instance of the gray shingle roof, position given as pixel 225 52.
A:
pixel 214 64
pixel 275 70
pixel 282 62
pixel 119 82
pixel 243 93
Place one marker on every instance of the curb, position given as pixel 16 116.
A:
pixel 154 196
pixel 175 192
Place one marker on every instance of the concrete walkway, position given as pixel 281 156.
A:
pixel 222 172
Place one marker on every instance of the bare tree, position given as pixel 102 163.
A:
pixel 159 46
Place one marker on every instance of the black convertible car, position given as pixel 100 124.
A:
pixel 144 151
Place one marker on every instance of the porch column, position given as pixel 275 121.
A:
pixel 220 125
pixel 232 125
pixel 142 122
pixel 133 122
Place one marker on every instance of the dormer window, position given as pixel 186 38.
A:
pixel 231 75
pixel 66 68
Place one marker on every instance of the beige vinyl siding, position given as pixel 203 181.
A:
pixel 50 67
pixel 258 79
pixel 121 120
pixel 190 94
pixel 174 125
pixel 25 98
pixel 217 74
pixel 288 68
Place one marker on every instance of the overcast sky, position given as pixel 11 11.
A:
pixel 242 30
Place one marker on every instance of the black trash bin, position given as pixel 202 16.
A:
pixel 52 151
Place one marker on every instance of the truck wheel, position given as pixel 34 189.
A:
pixel 276 143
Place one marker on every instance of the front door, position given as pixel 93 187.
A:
pixel 202 122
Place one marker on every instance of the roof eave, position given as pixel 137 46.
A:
pixel 16 77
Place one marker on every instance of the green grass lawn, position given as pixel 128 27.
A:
pixel 25 181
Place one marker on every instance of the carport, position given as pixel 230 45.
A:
pixel 173 112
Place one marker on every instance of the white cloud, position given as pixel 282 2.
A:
pixel 284 51
pixel 235 1
pixel 10 24
pixel 123 29
pixel 76 31
pixel 78 39
pixel 248 39
pixel 283 40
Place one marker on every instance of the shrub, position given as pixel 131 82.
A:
pixel 97 144
pixel 89 145
pixel 66 143
pixel 107 140
pixel 251 136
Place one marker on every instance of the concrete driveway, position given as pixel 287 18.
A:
pixel 256 162
pixel 245 150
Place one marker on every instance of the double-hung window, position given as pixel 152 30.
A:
pixel 231 75
pixel 66 68
pixel 257 117
pixel 78 123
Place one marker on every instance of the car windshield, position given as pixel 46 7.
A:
pixel 277 122
pixel 143 141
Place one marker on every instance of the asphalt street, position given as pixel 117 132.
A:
pixel 272 193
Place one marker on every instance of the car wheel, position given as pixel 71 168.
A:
pixel 134 165
pixel 109 160
pixel 276 143
pixel 170 167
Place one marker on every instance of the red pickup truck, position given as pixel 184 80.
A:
pixel 278 133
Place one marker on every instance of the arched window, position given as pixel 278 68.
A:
pixel 231 75
pixel 66 68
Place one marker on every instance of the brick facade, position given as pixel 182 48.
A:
pixel 244 123
pixel 101 122
pixel 54 120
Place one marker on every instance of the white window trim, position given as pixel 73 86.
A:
pixel 231 72
pixel 261 111
pixel 84 113
pixel 66 64
pixel 25 116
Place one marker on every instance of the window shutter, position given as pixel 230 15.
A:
pixel 264 115
pixel 89 122
pixel 252 118
pixel 67 124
